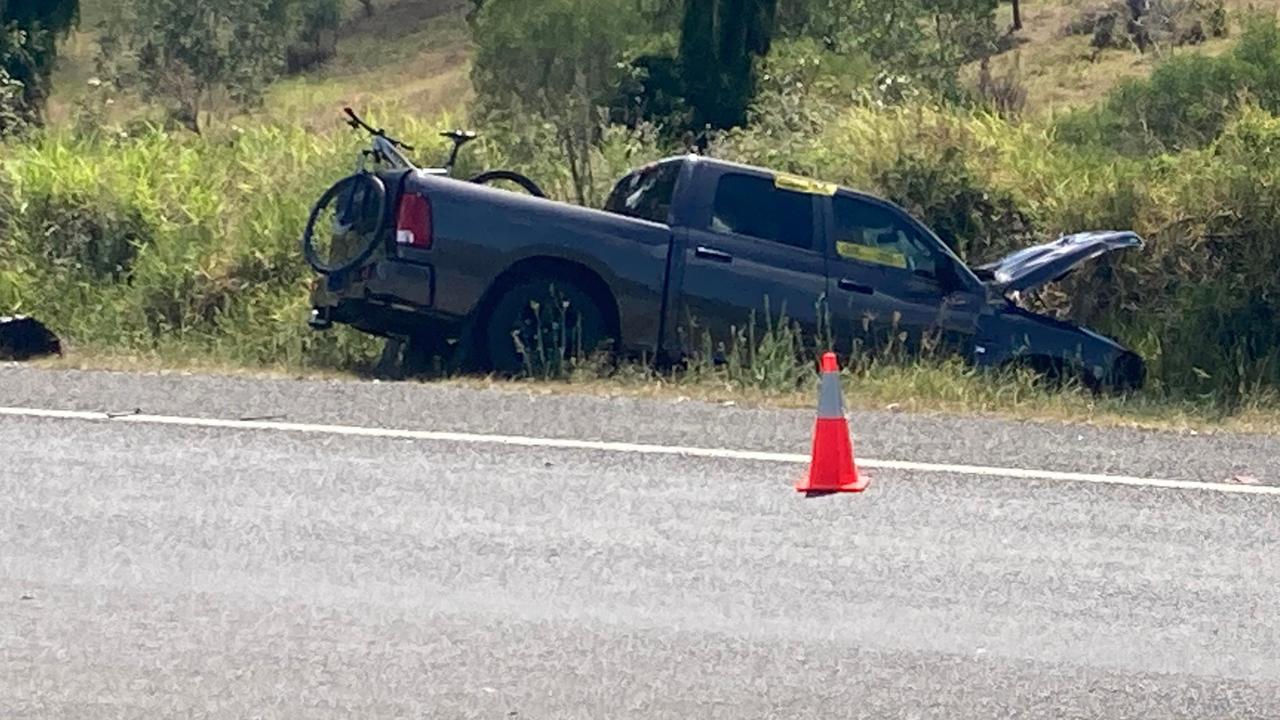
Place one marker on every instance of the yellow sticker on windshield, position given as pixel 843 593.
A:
pixel 879 256
pixel 796 183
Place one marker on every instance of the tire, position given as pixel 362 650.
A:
pixel 575 331
pixel 494 175
pixel 364 223
pixel 1127 376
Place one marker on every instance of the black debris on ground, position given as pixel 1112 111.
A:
pixel 25 338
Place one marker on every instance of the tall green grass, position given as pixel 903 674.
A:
pixel 159 243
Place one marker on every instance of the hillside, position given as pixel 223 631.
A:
pixel 415 54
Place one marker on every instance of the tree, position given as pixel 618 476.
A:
pixel 551 63
pixel 719 42
pixel 183 51
pixel 29 31
pixel 925 41
pixel 963 30
pixel 316 39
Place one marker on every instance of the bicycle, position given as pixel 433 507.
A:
pixel 361 196
pixel 386 150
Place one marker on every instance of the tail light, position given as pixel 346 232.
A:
pixel 413 222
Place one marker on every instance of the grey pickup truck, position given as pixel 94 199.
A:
pixel 686 249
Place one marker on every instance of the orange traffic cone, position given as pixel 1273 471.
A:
pixel 832 469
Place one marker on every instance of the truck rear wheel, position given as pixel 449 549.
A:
pixel 542 325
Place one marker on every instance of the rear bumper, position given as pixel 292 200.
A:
pixel 393 281
pixel 386 297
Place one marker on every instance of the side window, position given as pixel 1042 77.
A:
pixel 753 206
pixel 646 194
pixel 873 234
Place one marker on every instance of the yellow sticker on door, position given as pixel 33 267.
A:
pixel 879 256
pixel 796 183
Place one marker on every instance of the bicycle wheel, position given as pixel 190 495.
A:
pixel 353 232
pixel 492 176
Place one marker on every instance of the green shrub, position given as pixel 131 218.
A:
pixel 13 114
pixel 974 221
pixel 14 270
pixel 1187 101
pixel 551 63
pixel 84 236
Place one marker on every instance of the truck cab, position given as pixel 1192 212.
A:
pixel 751 245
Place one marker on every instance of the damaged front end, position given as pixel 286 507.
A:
pixel 1053 347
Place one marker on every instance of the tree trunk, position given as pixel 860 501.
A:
pixel 189 113
pixel 1017 15
pixel 568 144
pixel 368 7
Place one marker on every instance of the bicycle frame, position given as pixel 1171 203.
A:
pixel 383 151
pixel 386 150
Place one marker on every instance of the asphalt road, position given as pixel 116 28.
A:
pixel 166 571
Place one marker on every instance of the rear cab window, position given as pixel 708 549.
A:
pixel 755 207
pixel 646 194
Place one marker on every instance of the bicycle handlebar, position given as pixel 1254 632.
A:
pixel 356 123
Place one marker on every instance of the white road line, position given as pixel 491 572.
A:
pixel 635 448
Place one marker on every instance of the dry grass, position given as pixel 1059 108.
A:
pixel 413 54
pixel 431 82
pixel 911 389
pixel 1062 72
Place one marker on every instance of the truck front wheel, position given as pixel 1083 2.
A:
pixel 542 325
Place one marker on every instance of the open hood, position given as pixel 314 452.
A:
pixel 1042 264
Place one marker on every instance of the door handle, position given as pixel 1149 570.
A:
pixel 851 286
pixel 712 254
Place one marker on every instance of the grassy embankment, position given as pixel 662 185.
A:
pixel 154 249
